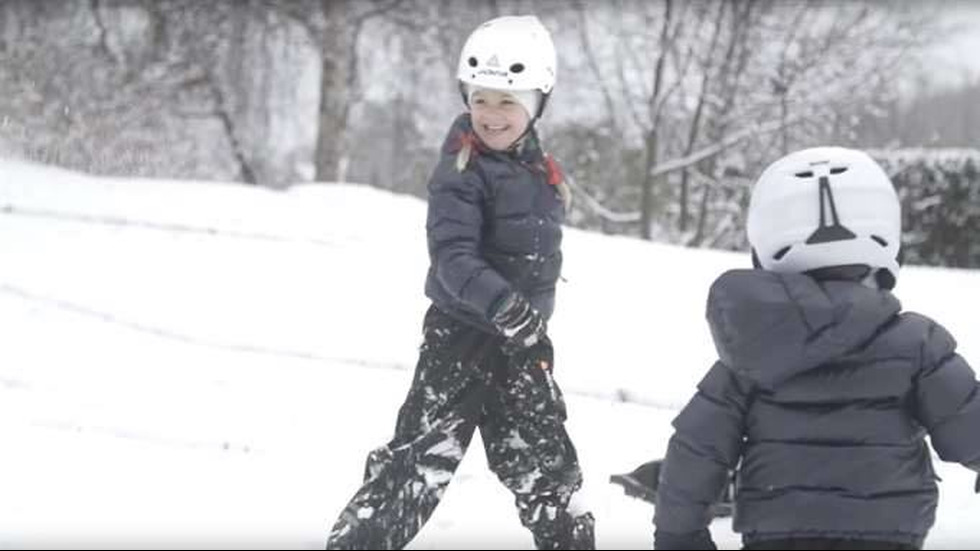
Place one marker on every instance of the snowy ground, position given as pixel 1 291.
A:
pixel 206 365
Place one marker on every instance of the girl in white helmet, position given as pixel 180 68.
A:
pixel 496 204
pixel 824 389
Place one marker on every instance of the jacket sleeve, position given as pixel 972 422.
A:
pixel 706 445
pixel 947 398
pixel 455 225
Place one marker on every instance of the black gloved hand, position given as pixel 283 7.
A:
pixel 700 539
pixel 519 323
pixel 976 485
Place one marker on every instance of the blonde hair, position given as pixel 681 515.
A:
pixel 566 194
pixel 463 156
pixel 556 177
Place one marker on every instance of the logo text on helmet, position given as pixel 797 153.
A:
pixel 492 72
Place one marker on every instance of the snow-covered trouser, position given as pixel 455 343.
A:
pixel 463 381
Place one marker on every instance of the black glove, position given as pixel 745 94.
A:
pixel 976 485
pixel 700 539
pixel 521 325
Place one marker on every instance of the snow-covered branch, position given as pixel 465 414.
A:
pixel 681 163
pixel 597 207
pixel 716 148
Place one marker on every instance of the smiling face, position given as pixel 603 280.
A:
pixel 498 118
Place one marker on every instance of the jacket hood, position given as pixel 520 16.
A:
pixel 772 326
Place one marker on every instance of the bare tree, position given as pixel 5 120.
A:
pixel 82 91
pixel 336 26
pixel 664 110
pixel 722 83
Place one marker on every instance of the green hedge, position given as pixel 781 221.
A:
pixel 940 194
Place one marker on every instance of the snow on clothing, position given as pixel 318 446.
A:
pixel 493 228
pixel 463 381
pixel 824 391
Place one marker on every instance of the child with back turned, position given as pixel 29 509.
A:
pixel 824 390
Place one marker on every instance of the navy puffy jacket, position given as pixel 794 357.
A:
pixel 821 398
pixel 493 228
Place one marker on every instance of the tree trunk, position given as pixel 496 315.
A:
pixel 652 136
pixel 646 195
pixel 693 134
pixel 735 58
pixel 337 56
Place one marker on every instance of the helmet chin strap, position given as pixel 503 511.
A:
pixel 519 142
pixel 462 93
pixel 542 100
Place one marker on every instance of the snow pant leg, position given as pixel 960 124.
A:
pixel 529 450
pixel 405 479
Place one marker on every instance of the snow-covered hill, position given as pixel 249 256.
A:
pixel 190 364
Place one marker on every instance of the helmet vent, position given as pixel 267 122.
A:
pixel 834 230
pixel 805 174
pixel 517 67
pixel 781 252
pixel 838 170
pixel 472 61
pixel 880 240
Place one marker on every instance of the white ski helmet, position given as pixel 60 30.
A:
pixel 510 53
pixel 823 207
